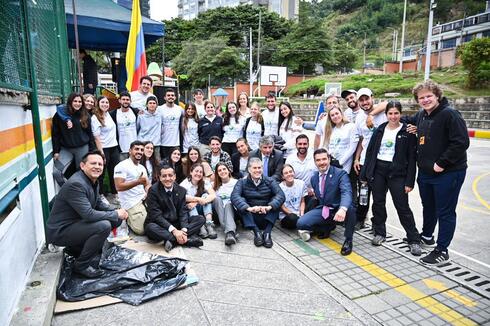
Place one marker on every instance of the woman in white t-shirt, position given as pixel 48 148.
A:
pixel 200 195
pixel 223 186
pixel 243 105
pixel 233 123
pixel 189 127
pixel 288 128
pixel 104 130
pixel 254 127
pixel 390 165
pixel 295 191
pixel 151 162
pixel 340 138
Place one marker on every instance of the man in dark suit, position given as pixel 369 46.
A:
pixel 80 220
pixel 168 217
pixel 333 192
pixel 272 158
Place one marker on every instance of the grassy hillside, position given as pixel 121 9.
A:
pixel 452 80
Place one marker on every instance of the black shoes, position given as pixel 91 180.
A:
pixel 89 272
pixel 435 257
pixel 258 239
pixel 346 248
pixel 194 241
pixel 230 238
pixel 168 245
pixel 267 240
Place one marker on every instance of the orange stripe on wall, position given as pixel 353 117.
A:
pixel 21 135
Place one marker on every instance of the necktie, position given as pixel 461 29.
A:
pixel 325 209
pixel 322 184
pixel 266 166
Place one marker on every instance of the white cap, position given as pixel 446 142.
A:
pixel 364 91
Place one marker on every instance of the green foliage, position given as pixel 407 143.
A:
pixel 203 58
pixel 475 56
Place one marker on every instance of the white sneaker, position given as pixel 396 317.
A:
pixel 304 235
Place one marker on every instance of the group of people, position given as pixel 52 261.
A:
pixel 177 172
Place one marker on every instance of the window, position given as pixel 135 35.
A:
pixel 468 38
pixel 447 27
pixel 448 44
pixel 483 18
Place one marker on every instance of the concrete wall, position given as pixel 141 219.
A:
pixel 440 59
pixel 22 231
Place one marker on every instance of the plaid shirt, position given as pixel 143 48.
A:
pixel 224 157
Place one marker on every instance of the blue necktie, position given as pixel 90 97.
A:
pixel 266 166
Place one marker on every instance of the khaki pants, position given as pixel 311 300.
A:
pixel 136 218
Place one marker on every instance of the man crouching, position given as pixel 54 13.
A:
pixel 168 217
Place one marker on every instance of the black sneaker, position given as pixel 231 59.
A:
pixel 435 257
pixel 230 238
pixel 427 242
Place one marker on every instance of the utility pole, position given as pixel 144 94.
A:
pixel 400 70
pixel 77 46
pixel 251 65
pixel 163 59
pixel 258 50
pixel 364 56
pixel 428 50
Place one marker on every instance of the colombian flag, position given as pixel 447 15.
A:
pixel 135 53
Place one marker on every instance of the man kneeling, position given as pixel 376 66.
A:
pixel 80 220
pixel 258 198
pixel 168 216
pixel 333 192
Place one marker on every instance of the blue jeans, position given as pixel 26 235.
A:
pixel 251 220
pixel 439 194
pixel 203 210
pixel 314 221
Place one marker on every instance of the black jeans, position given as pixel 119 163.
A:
pixel 230 148
pixel 381 184
pixel 111 159
pixel 156 232
pixel 165 151
pixel 84 240
pixel 289 221
pixel 361 210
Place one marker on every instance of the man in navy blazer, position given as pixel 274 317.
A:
pixel 272 158
pixel 333 192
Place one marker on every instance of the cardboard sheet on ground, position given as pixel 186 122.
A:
pixel 64 306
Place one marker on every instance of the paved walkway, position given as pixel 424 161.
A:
pixel 298 283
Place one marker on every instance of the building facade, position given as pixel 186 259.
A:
pixel 190 9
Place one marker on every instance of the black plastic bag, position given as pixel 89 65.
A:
pixel 129 275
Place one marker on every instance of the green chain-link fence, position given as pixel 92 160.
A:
pixel 46 19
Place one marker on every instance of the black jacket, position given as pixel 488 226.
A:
pixel 166 211
pixel 442 138
pixel 207 129
pixel 235 160
pixel 89 71
pixel 246 194
pixel 276 161
pixel 404 160
pixel 78 200
pixel 76 136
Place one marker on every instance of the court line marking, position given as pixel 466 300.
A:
pixel 403 287
pixel 474 188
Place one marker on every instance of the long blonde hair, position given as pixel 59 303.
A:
pixel 329 125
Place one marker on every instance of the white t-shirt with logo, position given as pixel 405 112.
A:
pixel 129 171
pixel 233 130
pixel 366 133
pixel 201 111
pixel 107 133
pixel 293 194
pixel 289 136
pixel 343 144
pixel 388 142
pixel 351 114
pixel 224 192
pixel 320 130
pixel 138 99
pixel 271 121
pixel 192 189
pixel 191 138
pixel 126 126
pixel 302 169
pixel 170 125
pixel 253 134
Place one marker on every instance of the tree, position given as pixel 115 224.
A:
pixel 475 56
pixel 343 57
pixel 213 58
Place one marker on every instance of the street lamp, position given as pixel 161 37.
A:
pixel 403 36
pixel 394 47
pixel 428 50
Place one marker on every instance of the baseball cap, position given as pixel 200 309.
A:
pixel 364 91
pixel 347 92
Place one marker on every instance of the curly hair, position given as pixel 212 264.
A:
pixel 428 85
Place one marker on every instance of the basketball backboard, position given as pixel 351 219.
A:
pixel 273 75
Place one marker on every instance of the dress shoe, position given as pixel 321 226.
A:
pixel 230 238
pixel 346 248
pixel 324 234
pixel 194 241
pixel 258 239
pixel 267 240
pixel 203 232
pixel 168 245
pixel 89 272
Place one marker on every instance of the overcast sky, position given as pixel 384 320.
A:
pixel 163 9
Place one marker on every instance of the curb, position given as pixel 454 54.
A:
pixel 479 133
pixel 37 302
